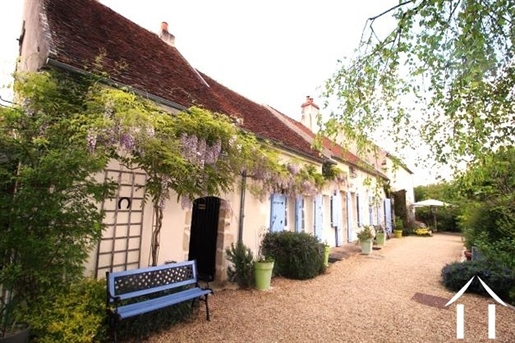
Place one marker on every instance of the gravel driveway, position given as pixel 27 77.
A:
pixel 360 299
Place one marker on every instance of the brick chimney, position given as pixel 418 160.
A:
pixel 309 114
pixel 166 36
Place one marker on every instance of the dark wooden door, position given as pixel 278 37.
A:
pixel 204 231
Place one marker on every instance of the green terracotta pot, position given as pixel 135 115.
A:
pixel 381 238
pixel 397 233
pixel 366 246
pixel 263 274
pixel 327 250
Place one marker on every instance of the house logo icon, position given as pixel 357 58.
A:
pixel 460 310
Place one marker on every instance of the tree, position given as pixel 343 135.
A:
pixel 488 212
pixel 445 75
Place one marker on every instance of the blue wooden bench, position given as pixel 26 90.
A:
pixel 134 292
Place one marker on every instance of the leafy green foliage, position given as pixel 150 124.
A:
pixel 75 314
pixel 488 208
pixel 445 74
pixel 297 255
pixel 500 278
pixel 49 216
pixel 365 233
pixel 242 259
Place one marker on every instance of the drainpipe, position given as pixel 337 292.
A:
pixel 242 205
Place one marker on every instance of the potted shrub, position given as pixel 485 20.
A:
pixel 399 226
pixel 263 266
pixel 380 238
pixel 365 237
pixel 327 251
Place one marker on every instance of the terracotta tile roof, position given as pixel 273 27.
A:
pixel 336 150
pixel 81 30
pixel 258 119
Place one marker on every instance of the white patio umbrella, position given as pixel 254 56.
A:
pixel 431 203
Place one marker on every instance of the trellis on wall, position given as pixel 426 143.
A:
pixel 120 246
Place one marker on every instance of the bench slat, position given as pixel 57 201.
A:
pixel 140 282
pixel 158 303
pixel 137 283
pixel 154 290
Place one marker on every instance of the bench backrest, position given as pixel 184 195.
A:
pixel 138 282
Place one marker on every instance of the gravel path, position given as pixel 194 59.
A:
pixel 359 299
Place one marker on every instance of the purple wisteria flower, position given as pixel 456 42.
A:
pixel 92 141
pixel 185 202
pixel 127 141
pixel 189 147
pixel 293 168
pixel 213 152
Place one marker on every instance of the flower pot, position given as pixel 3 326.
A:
pixel 263 274
pixel 366 246
pixel 381 238
pixel 20 336
pixel 397 233
pixel 327 250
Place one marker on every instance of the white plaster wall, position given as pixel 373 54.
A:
pixel 34 49
pixel 400 178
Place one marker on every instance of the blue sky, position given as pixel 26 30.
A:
pixel 273 52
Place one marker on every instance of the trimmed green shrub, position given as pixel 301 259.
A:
pixel 77 314
pixel 498 277
pixel 241 271
pixel 297 255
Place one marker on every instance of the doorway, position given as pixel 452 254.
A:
pixel 203 236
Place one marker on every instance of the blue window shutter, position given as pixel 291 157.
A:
pixel 359 210
pixel 299 214
pixel 334 210
pixel 378 214
pixel 370 210
pixel 318 217
pixel 388 214
pixel 277 212
pixel 350 231
pixel 337 221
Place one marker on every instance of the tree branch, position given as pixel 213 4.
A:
pixel 391 9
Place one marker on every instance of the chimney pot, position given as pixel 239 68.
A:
pixel 166 36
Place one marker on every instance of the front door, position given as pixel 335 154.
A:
pixel 204 231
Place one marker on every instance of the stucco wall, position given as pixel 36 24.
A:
pixel 34 46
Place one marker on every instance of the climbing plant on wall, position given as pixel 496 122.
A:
pixel 190 154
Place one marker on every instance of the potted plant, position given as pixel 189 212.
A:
pixel 399 226
pixel 380 238
pixel 263 266
pixel 327 251
pixel 365 237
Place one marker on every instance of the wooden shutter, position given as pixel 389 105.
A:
pixel 350 231
pixel 318 217
pixel 277 212
pixel 388 214
pixel 299 214
pixel 336 217
pixel 370 210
